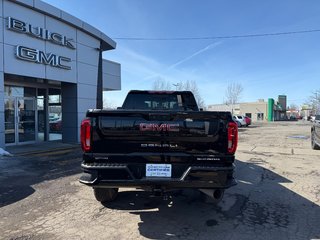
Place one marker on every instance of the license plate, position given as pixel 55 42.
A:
pixel 158 170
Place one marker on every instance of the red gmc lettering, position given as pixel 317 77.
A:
pixel 165 127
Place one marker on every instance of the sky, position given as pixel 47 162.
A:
pixel 265 66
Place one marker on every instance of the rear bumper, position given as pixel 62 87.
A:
pixel 111 175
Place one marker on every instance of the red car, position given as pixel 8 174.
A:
pixel 248 120
pixel 56 126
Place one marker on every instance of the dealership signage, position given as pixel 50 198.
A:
pixel 38 32
pixel 37 56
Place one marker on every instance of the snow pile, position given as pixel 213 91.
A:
pixel 4 153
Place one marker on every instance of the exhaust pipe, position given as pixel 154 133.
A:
pixel 215 195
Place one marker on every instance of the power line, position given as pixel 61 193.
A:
pixel 216 37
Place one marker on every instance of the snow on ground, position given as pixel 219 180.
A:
pixel 4 153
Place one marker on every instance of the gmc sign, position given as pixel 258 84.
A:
pixel 164 127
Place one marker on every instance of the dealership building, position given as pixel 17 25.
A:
pixel 51 72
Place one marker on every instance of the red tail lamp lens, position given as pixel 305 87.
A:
pixel 232 137
pixel 85 135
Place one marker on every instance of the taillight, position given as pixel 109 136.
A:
pixel 85 135
pixel 232 137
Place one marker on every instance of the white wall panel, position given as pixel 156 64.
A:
pixel 71 19
pixel 60 74
pixel 87 74
pixel 111 68
pixel 111 75
pixel 47 8
pixel 87 91
pixel 1 2
pixel 111 82
pixel 91 29
pixel 88 55
pixel 62 28
pixel 87 40
pixel 85 104
pixel 61 51
pixel 26 15
pixel 1 27
pixel 1 59
pixel 26 2
pixel 16 66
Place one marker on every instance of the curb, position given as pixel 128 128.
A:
pixel 53 150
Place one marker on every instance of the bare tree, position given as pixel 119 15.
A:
pixel 314 101
pixel 161 84
pixel 293 107
pixel 108 104
pixel 233 94
pixel 193 87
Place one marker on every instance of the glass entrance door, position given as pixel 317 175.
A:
pixel 10 120
pixel 26 119
pixel 20 120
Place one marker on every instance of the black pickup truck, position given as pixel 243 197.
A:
pixel 158 141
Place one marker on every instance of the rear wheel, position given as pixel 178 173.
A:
pixel 313 142
pixel 105 194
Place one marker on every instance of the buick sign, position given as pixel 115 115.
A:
pixel 38 32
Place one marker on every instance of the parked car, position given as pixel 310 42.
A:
pixel 237 122
pixel 315 133
pixel 240 119
pixel 248 120
pixel 56 125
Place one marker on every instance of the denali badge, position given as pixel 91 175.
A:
pixel 164 127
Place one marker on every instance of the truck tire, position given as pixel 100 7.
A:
pixel 313 143
pixel 105 194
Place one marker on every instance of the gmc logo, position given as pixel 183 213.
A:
pixel 165 127
pixel 37 56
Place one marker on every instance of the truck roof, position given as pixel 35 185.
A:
pixel 158 91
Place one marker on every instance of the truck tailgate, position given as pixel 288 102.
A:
pixel 129 132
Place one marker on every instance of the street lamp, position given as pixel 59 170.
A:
pixel 176 85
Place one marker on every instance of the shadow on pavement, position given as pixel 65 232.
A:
pixel 259 207
pixel 18 174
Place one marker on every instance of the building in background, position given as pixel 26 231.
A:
pixel 51 72
pixel 258 111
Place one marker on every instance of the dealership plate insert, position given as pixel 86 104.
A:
pixel 158 170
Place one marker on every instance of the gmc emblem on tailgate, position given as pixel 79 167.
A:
pixel 164 127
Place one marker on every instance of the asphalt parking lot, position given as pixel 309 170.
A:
pixel 277 197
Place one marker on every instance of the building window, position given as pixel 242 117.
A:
pixel 260 116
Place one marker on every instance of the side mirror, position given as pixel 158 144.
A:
pixel 201 109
